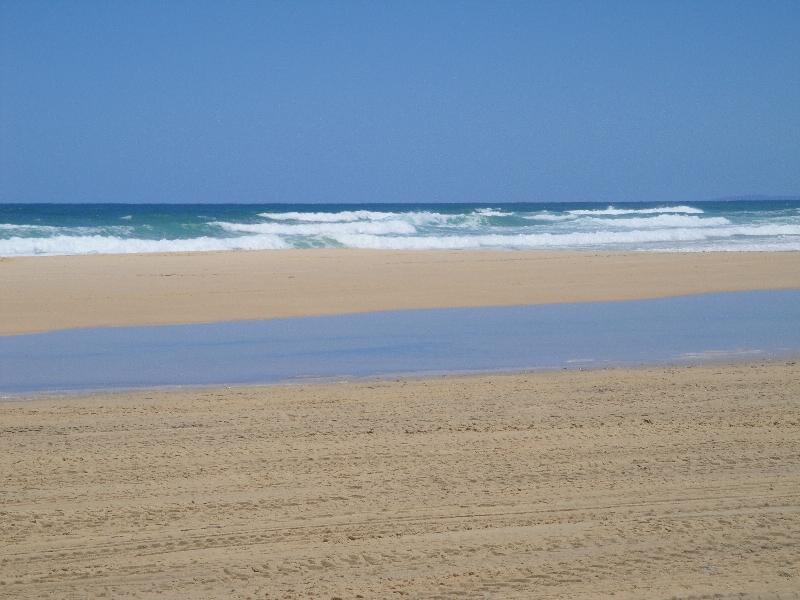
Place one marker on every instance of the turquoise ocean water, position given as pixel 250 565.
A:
pixel 54 229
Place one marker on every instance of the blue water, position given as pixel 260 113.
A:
pixel 690 328
pixel 32 229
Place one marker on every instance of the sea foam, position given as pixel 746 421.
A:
pixel 85 229
pixel 96 244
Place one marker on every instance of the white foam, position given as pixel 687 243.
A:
pixel 321 217
pixel 13 226
pixel 596 239
pixel 491 212
pixel 324 229
pixel 96 244
pixel 548 217
pixel 744 245
pixel 679 228
pixel 641 211
pixel 423 219
pixel 51 230
pixel 664 220
pixel 418 218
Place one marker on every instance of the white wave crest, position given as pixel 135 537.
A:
pixel 367 215
pixel 13 227
pixel 548 217
pixel 594 239
pixel 324 229
pixel 53 231
pixel 415 219
pixel 641 211
pixel 678 228
pixel 96 244
pixel 321 217
pixel 491 212
pixel 666 220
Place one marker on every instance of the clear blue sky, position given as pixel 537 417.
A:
pixel 398 101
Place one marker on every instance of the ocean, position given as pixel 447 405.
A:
pixel 58 229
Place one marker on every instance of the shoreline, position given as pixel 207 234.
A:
pixel 647 482
pixel 39 294
pixel 726 360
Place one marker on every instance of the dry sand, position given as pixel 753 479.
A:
pixel 646 483
pixel 61 292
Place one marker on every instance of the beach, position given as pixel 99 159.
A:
pixel 62 292
pixel 670 481
pixel 640 483
pixel 482 301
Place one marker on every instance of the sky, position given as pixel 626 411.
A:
pixel 343 102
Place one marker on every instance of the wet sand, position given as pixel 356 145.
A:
pixel 62 292
pixel 731 325
pixel 641 483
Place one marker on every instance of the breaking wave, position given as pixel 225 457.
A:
pixel 96 244
pixel 186 228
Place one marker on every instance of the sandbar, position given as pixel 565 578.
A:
pixel 653 482
pixel 63 292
